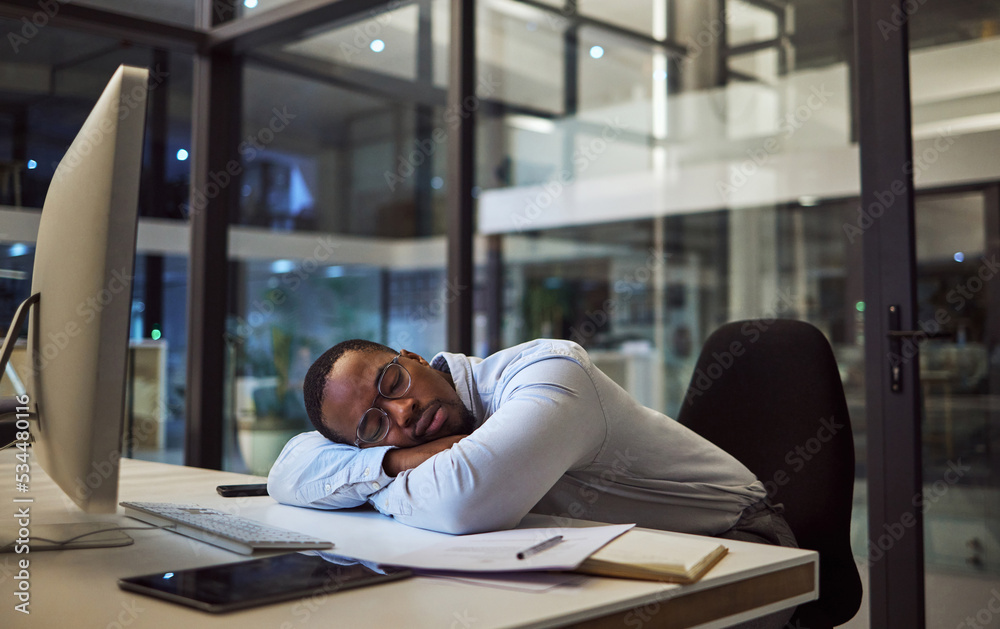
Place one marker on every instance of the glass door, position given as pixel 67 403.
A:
pixel 957 263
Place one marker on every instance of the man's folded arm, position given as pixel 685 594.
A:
pixel 550 420
pixel 313 471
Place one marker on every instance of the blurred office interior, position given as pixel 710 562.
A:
pixel 644 171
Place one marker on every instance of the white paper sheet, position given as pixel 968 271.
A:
pixel 538 582
pixel 497 552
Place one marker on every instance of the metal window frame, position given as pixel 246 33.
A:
pixel 461 175
pixel 286 21
pixel 896 577
pixel 576 20
pixel 217 90
pixel 118 26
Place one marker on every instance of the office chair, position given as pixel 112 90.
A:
pixel 770 394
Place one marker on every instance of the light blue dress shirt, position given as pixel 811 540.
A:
pixel 554 435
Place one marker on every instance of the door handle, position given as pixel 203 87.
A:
pixel 896 338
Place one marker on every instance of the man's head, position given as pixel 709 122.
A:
pixel 341 384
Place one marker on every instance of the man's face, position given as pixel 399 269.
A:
pixel 429 410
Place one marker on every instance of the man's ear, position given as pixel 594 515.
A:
pixel 417 357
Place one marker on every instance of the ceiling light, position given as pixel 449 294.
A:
pixel 531 123
pixel 282 266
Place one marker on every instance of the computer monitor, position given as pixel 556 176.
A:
pixel 81 293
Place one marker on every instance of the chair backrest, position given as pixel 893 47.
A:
pixel 769 393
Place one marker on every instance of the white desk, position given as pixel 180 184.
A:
pixel 78 587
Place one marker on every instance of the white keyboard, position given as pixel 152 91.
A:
pixel 232 532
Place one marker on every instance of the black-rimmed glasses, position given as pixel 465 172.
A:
pixel 393 383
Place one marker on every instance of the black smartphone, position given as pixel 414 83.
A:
pixel 231 491
pixel 261 581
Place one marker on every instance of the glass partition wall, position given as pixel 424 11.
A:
pixel 48 85
pixel 955 127
pixel 688 166
pixel 340 225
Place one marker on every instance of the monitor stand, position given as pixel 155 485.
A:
pixel 15 329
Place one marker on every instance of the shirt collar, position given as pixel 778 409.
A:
pixel 460 368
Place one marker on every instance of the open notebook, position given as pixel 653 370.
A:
pixel 655 556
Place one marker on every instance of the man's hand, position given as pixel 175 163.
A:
pixel 400 459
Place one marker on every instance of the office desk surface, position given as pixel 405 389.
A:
pixel 79 587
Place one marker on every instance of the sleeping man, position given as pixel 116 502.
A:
pixel 464 445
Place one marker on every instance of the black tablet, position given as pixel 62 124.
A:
pixel 261 581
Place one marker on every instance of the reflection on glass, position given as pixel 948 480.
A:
pixel 384 42
pixel 521 49
pixel 675 194
pixel 618 82
pixel 748 23
pixel 956 268
pixel 339 236
pixel 290 310
pixel 762 66
pixel 637 16
pixel 172 11
pixel 155 401
pixel 327 159
pixel 953 83
pixel 50 86
pixel 289 313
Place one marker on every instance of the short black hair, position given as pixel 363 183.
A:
pixel 319 374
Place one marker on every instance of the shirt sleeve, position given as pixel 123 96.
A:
pixel 313 471
pixel 549 420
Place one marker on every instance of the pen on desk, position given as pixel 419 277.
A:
pixel 537 548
